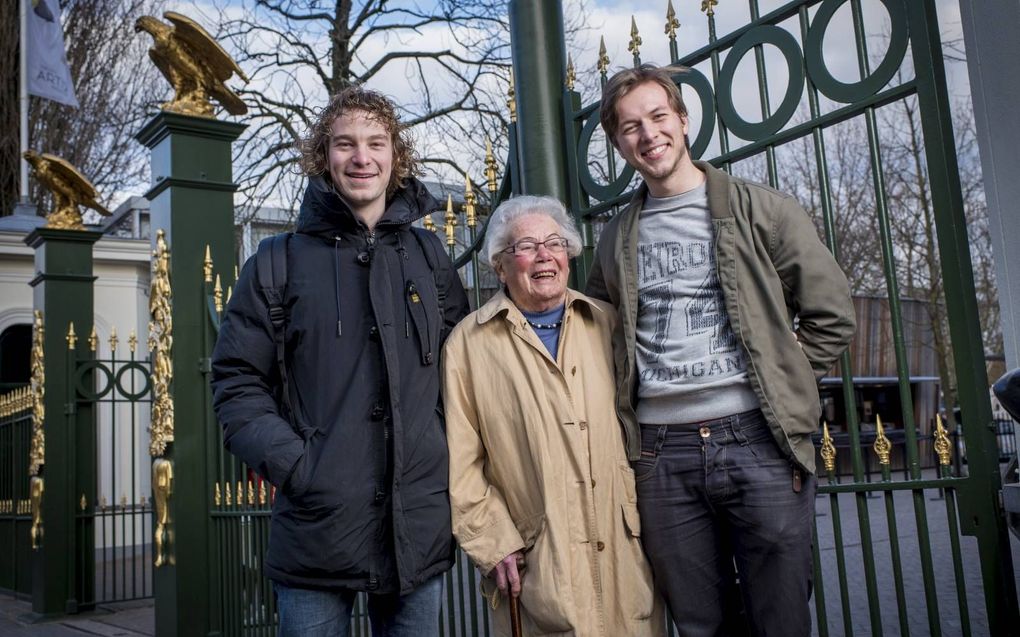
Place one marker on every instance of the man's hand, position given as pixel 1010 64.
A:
pixel 508 573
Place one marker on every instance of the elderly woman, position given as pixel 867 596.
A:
pixel 542 494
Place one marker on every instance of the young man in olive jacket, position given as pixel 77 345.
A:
pixel 357 448
pixel 730 308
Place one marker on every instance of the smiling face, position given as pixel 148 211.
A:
pixel 538 282
pixel 361 163
pixel 651 138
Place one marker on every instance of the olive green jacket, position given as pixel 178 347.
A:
pixel 787 298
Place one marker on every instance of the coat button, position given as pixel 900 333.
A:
pixel 593 483
pixel 373 332
pixel 583 425
pixel 378 411
pixel 600 546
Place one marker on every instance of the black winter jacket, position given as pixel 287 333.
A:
pixel 361 466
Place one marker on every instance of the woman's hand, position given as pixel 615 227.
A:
pixel 508 573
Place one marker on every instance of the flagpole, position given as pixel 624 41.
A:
pixel 23 98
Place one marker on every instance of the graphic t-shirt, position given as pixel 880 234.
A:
pixel 690 365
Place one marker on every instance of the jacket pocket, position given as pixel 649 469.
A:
pixel 422 302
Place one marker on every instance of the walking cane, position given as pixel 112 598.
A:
pixel 515 617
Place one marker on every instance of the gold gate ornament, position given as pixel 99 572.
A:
pixel 35 496
pixel 162 485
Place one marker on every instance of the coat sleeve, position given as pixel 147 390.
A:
pixel 481 520
pixel 244 380
pixel 456 306
pixel 815 287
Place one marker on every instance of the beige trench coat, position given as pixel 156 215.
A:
pixel 537 463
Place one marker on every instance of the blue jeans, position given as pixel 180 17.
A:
pixel 308 612
pixel 720 493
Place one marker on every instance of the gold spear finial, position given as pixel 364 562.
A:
pixel 943 447
pixel 251 494
pixel 571 75
pixel 708 7
pixel 469 202
pixel 228 499
pixel 428 224
pixel 217 295
pixel 451 222
pixel 132 341
pixel 83 503
pixel 603 63
pixel 883 448
pixel 240 495
pixel 217 498
pixel 262 492
pixel 207 265
pixel 635 40
pixel 71 338
pixel 672 24
pixel 93 339
pixel 113 340
pixel 511 99
pixel 828 449
pixel 490 166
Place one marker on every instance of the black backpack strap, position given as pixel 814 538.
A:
pixel 440 267
pixel 271 267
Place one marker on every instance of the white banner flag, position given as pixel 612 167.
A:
pixel 48 73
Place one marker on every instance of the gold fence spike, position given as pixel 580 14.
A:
pixel 634 46
pixel 218 295
pixel 708 7
pixel 943 447
pixel 93 339
pixel 102 502
pixel 571 74
pixel 83 503
pixel 217 498
pixel 428 224
pixel 71 338
pixel 132 341
pixel 603 63
pixel 828 449
pixel 262 492
pixel 230 293
pixel 490 167
pixel 240 494
pixel 451 222
pixel 672 24
pixel 227 498
pixel 113 340
pixel 511 101
pixel 469 202
pixel 207 265
pixel 883 448
pixel 251 494
pixel 235 272
pixel 123 500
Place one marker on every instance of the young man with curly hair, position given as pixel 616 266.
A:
pixel 348 425
pixel 730 309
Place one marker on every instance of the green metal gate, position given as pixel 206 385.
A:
pixel 919 570
pixel 112 401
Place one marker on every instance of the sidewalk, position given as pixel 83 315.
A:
pixel 126 619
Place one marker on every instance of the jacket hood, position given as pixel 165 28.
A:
pixel 323 210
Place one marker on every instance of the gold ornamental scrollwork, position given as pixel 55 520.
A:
pixel 883 448
pixel 162 486
pixel 37 452
pixel 943 447
pixel 35 495
pixel 828 449
pixel 161 344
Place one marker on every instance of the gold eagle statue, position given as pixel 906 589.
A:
pixel 69 188
pixel 194 64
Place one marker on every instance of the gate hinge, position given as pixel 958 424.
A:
pixel 205 365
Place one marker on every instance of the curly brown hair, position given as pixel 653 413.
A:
pixel 315 147
pixel 624 81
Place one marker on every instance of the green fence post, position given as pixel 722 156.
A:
pixel 192 204
pixel 62 292
pixel 981 513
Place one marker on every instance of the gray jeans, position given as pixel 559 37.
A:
pixel 717 493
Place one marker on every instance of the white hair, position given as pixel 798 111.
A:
pixel 497 232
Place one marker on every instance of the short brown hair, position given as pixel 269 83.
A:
pixel 315 147
pixel 624 81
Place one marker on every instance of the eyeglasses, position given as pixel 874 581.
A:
pixel 529 247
